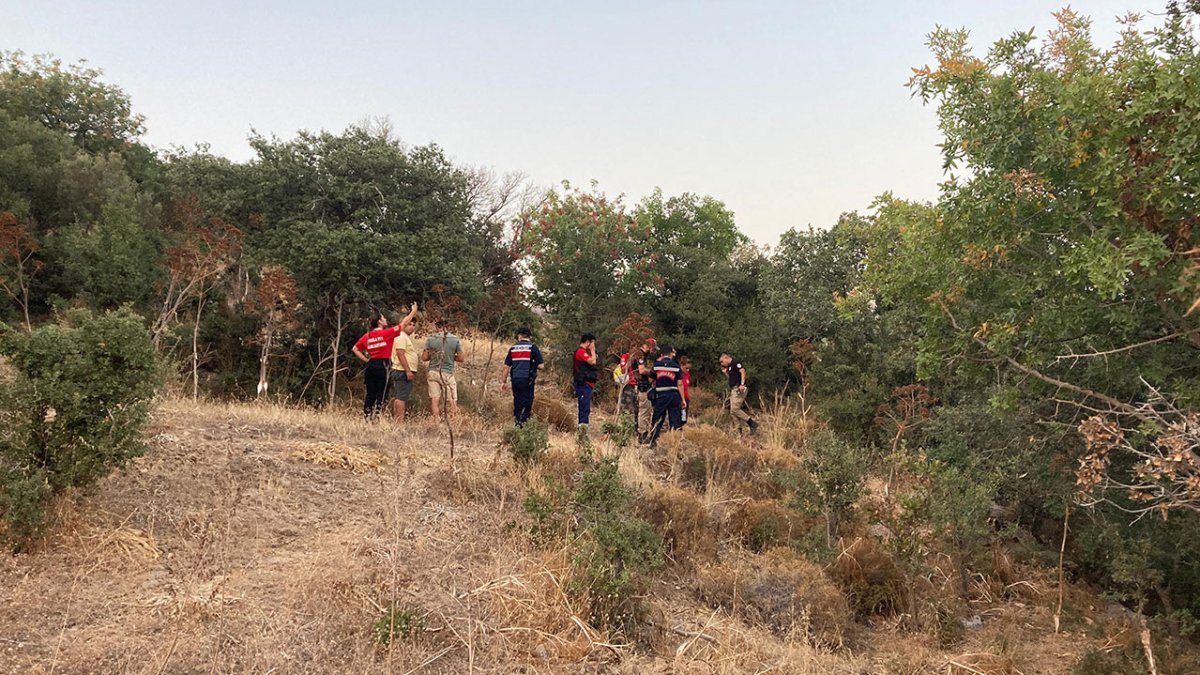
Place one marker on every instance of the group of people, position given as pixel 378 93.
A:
pixel 391 356
pixel 653 385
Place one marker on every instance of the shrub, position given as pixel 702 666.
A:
pixel 705 456
pixel 614 549
pixel 75 410
pixel 398 622
pixel 619 432
pixel 784 593
pixel 680 520
pixel 832 480
pixel 871 580
pixel 527 443
pixel 763 524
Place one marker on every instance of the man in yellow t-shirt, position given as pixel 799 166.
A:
pixel 404 368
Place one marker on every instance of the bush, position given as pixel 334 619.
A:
pixel 763 524
pixel 680 520
pixel 832 480
pixel 75 411
pixel 619 432
pixel 398 622
pixel 871 580
pixel 614 549
pixel 527 443
pixel 784 593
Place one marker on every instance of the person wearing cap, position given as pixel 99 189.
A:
pixel 442 350
pixel 668 400
pixel 737 392
pixel 374 348
pixel 642 368
pixel 522 362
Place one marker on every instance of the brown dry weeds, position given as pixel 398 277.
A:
pixel 222 551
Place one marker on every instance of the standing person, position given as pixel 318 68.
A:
pixel 374 348
pixel 626 387
pixel 644 369
pixel 442 350
pixel 668 401
pixel 583 370
pixel 737 392
pixel 523 362
pixel 404 368
pixel 685 383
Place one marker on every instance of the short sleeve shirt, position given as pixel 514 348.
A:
pixel 404 342
pixel 580 364
pixel 735 374
pixel 442 348
pixel 378 343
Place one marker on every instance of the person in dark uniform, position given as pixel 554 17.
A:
pixel 523 362
pixel 668 401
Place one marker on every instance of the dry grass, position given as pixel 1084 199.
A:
pixel 781 592
pixel 870 579
pixel 763 524
pixel 220 551
pixel 340 456
pixel 679 517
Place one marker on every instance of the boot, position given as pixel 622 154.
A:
pixel 753 427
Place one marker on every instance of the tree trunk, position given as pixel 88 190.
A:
pixel 337 346
pixel 268 334
pixel 196 349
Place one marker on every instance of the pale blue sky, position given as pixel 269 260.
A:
pixel 790 112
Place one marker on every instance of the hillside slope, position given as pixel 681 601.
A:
pixel 230 547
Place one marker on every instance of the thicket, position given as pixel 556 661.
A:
pixel 74 409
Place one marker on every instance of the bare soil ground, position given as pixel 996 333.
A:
pixel 255 538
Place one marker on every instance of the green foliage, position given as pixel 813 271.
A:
pixel 398 623
pixel 620 432
pixel 526 443
pixel 70 99
pixel 832 480
pixel 613 549
pixel 75 411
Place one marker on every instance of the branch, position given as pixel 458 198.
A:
pixel 1087 393
pixel 1127 348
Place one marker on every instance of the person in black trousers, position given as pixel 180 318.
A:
pixel 668 402
pixel 523 362
pixel 375 349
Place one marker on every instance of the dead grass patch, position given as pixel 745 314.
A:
pixel 872 582
pixel 680 519
pixel 340 456
pixel 784 593
pixel 761 524
pixel 554 413
pixel 470 483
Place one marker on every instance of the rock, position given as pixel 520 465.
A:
pixel 880 532
pixel 540 652
pixel 973 623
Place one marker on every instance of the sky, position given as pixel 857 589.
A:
pixel 790 112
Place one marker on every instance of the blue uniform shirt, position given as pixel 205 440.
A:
pixel 666 374
pixel 523 359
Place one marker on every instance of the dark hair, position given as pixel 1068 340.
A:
pixel 586 337
pixel 373 321
pixel 666 349
pixel 524 331
pixel 441 322
pixel 685 361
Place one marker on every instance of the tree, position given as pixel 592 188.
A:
pixel 576 247
pixel 18 264
pixel 275 301
pixel 97 116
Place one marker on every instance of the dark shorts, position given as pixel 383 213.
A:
pixel 401 386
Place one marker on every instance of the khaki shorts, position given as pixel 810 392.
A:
pixel 438 380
